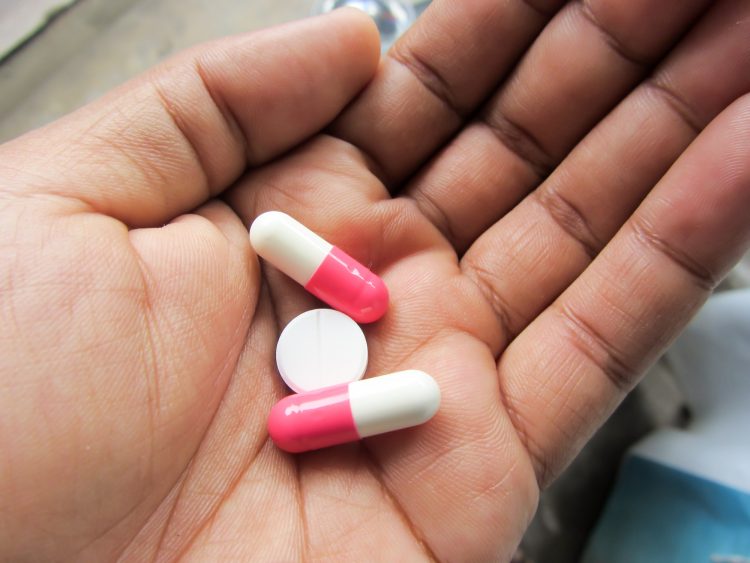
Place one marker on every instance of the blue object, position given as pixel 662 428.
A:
pixel 659 514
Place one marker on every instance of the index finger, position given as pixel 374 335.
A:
pixel 435 77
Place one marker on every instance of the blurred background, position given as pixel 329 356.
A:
pixel 56 55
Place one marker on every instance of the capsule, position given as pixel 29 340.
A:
pixel 323 269
pixel 351 411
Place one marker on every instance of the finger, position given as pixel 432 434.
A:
pixel 588 57
pixel 165 142
pixel 568 370
pixel 435 76
pixel 531 255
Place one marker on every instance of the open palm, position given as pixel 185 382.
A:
pixel 517 172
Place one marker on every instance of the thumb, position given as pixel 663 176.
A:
pixel 165 142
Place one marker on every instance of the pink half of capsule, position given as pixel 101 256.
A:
pixel 324 270
pixel 348 412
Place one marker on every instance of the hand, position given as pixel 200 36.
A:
pixel 546 211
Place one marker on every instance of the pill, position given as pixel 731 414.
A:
pixel 321 348
pixel 323 269
pixel 348 412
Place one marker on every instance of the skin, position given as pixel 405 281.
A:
pixel 549 191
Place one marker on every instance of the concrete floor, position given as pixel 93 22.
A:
pixel 98 44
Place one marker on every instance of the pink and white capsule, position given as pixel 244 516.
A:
pixel 323 269
pixel 348 412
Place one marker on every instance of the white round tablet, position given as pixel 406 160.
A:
pixel 320 348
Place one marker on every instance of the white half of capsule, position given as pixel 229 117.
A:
pixel 289 245
pixel 394 401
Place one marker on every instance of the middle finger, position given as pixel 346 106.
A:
pixel 589 56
